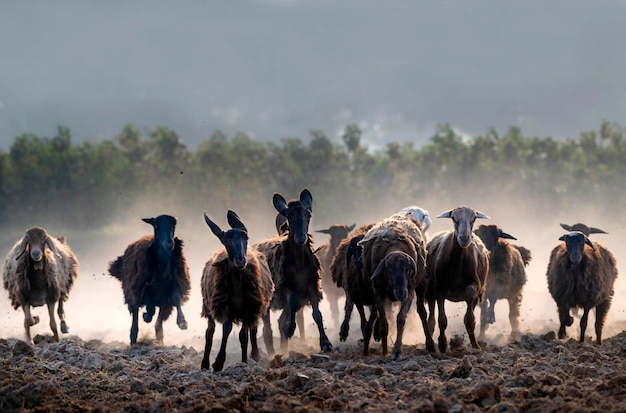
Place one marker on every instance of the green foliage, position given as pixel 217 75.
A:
pixel 88 184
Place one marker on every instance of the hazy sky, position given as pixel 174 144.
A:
pixel 279 68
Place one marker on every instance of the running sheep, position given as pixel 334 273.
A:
pixel 38 270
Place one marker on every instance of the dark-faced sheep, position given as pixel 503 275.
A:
pixel 295 269
pixel 457 267
pixel 237 288
pixel 506 277
pixel 581 274
pixel 325 254
pixel 154 273
pixel 39 270
pixel 394 259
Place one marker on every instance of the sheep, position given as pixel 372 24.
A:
pixel 325 254
pixel 581 274
pixel 295 270
pixel 583 228
pixel 38 270
pixel 457 268
pixel 419 214
pixel 506 277
pixel 237 288
pixel 394 259
pixel 154 273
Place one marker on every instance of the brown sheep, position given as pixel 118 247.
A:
pixel 325 254
pixel 581 274
pixel 394 259
pixel 295 269
pixel 237 288
pixel 39 270
pixel 506 277
pixel 457 267
pixel 154 273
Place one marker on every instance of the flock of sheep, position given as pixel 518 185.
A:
pixel 390 261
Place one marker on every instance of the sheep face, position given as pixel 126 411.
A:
pixel 164 227
pixel 575 243
pixel 463 218
pixel 489 234
pixel 35 240
pixel 419 214
pixel 235 240
pixel 399 268
pixel 337 233
pixel 298 214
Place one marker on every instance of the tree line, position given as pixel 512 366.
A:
pixel 86 184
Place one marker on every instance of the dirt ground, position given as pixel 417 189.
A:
pixel 534 373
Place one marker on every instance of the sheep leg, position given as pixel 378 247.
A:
pixel 400 322
pixel 180 317
pixel 431 316
pixel 29 320
pixel 61 313
pixel 325 344
pixel 583 324
pixel 254 353
pixel 134 327
pixel 243 340
pixel 268 336
pixel 421 310
pixel 514 312
pixel 483 319
pixel 471 297
pixel 383 324
pixel 601 310
pixel 158 327
pixel 334 308
pixel 443 324
pixel 53 323
pixel 149 313
pixel 345 325
pixel 564 318
pixel 367 331
pixel 300 323
pixel 227 327
pixel 208 343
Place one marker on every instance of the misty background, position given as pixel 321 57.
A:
pixel 276 68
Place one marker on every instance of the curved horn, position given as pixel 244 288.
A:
pixel 566 227
pixel 588 242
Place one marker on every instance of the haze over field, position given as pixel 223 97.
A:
pixel 276 68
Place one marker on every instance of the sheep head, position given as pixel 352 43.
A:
pixel 298 214
pixel 583 228
pixel 235 240
pixel 419 214
pixel 463 218
pixel 575 243
pixel 490 234
pixel 399 268
pixel 164 227
pixel 337 233
pixel 35 240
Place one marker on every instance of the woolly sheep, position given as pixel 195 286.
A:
pixel 237 288
pixel 457 267
pixel 38 270
pixel 154 273
pixel 581 274
pixel 506 277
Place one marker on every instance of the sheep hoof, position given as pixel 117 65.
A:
pixel 327 347
pixel 491 318
pixel 569 321
pixel 35 320
pixel 64 328
pixel 147 317
pixel 396 355
pixel 182 325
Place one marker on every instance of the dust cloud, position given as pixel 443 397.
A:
pixel 96 308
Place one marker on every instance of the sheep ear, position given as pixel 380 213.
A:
pixel 379 269
pixel 506 236
pixel 279 203
pixel 481 215
pixel 280 221
pixel 566 227
pixel 562 237
pixel 351 227
pixel 323 231
pixel 214 227
pixel 148 221
pixel 50 245
pixel 588 242
pixel 306 199
pixel 234 221
pixel 22 248
pixel 593 230
pixel 447 214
